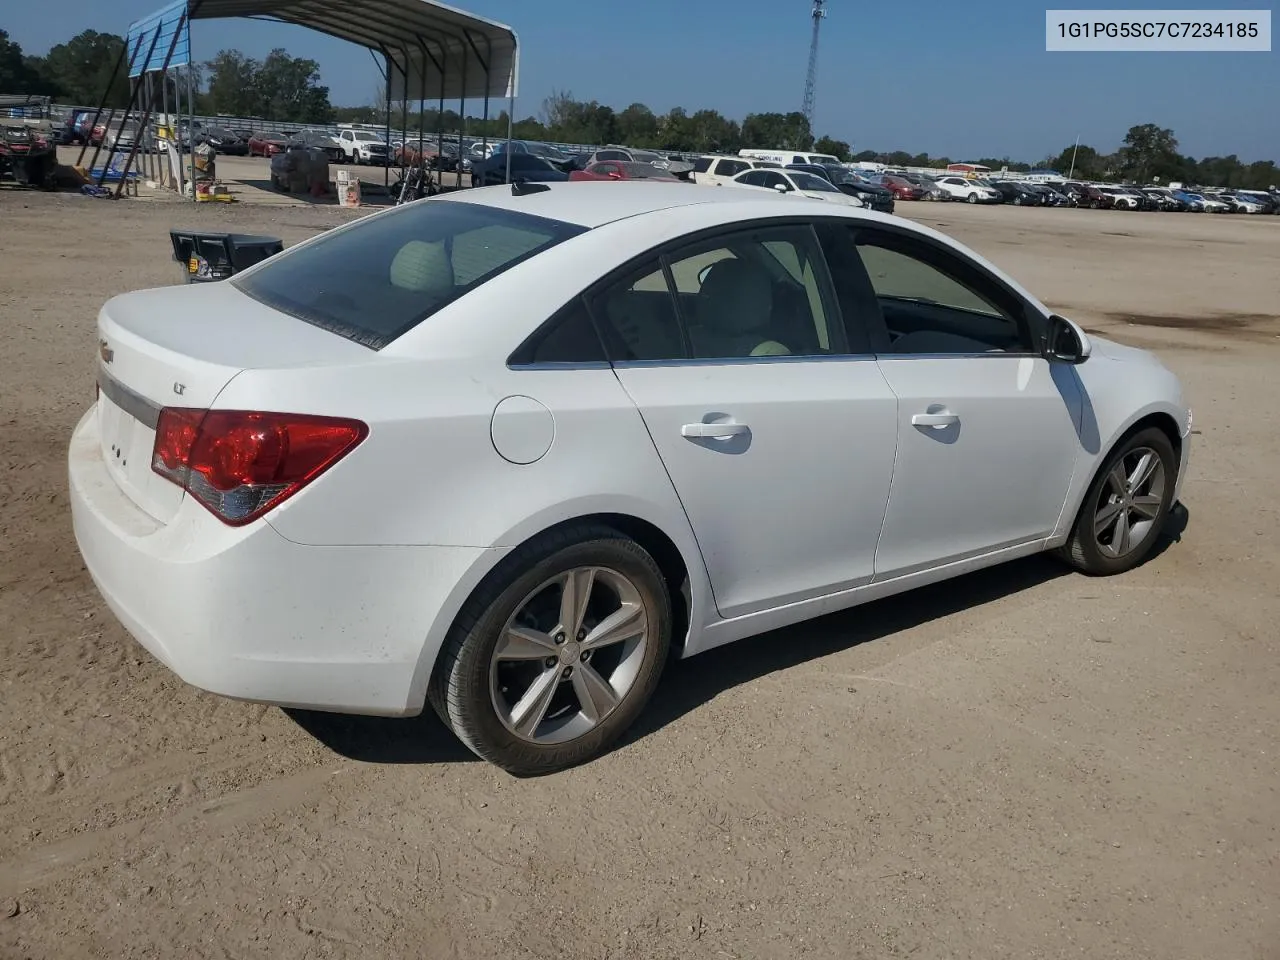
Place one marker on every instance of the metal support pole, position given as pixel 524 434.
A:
pixel 106 94
pixel 133 98
pixel 485 63
pixel 191 126
pixel 133 93
pixel 404 144
pixel 168 125
pixel 404 96
pixel 462 116
pixel 444 63
pixel 146 117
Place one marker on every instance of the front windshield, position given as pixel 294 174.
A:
pixel 807 181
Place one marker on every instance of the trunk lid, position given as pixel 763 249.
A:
pixel 179 347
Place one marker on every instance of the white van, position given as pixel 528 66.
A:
pixel 786 157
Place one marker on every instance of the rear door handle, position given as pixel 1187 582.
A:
pixel 934 420
pixel 716 431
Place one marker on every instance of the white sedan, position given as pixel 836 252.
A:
pixel 507 450
pixel 795 182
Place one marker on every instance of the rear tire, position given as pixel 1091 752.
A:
pixel 496 658
pixel 1121 521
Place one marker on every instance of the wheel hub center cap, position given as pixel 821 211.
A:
pixel 570 652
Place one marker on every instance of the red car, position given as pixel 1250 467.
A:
pixel 902 189
pixel 623 170
pixel 267 144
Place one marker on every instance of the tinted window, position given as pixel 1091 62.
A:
pixel 611 155
pixel 569 337
pixel 807 181
pixel 754 178
pixel 729 168
pixel 385 275
pixel 932 302
pixel 646 171
pixel 702 165
pixel 754 296
pixel 527 161
pixel 638 318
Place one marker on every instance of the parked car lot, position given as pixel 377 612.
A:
pixel 1038 750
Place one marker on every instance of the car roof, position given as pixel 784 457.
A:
pixel 593 204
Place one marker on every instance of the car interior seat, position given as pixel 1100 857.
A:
pixel 735 313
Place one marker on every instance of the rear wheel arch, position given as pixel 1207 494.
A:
pixel 670 559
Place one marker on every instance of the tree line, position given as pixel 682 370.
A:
pixel 287 90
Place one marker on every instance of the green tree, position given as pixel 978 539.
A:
pixel 837 148
pixel 233 85
pixel 16 75
pixel 638 126
pixel 288 88
pixel 1149 151
pixel 1083 163
pixel 710 132
pixel 790 131
pixel 80 70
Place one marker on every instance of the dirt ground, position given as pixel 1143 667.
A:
pixel 1022 763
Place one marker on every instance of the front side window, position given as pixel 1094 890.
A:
pixel 934 303
pixel 755 296
pixel 383 276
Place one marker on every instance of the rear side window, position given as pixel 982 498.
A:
pixel 381 278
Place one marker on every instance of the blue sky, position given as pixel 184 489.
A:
pixel 965 80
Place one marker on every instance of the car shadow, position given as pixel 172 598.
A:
pixel 688 684
pixel 420 739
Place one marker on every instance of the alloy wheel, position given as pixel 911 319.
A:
pixel 569 655
pixel 1129 502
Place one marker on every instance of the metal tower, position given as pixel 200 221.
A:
pixel 819 11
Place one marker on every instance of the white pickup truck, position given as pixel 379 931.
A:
pixel 362 146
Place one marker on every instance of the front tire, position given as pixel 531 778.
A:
pixel 1126 507
pixel 557 652
pixel 973 198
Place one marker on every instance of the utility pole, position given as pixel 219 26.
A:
pixel 811 80
pixel 1073 157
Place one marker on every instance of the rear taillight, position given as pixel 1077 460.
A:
pixel 239 464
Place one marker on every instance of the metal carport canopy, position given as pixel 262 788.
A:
pixel 435 51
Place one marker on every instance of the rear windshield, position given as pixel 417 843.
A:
pixel 382 277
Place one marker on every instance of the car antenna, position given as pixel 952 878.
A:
pixel 522 188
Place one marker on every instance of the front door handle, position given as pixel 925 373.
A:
pixel 938 420
pixel 716 431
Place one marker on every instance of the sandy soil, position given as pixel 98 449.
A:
pixel 1023 763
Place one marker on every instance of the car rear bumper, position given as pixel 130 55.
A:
pixel 245 613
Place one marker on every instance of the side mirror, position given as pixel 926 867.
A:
pixel 1065 342
pixel 782 188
